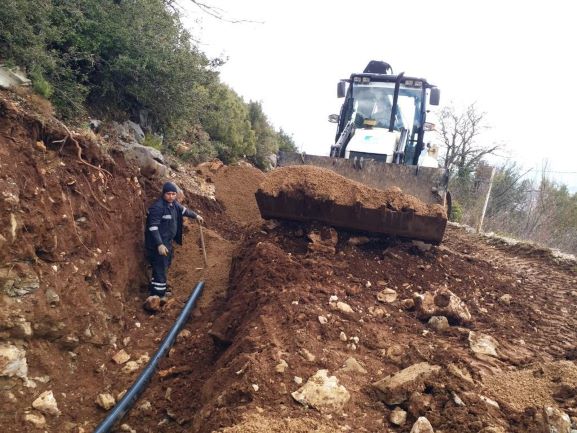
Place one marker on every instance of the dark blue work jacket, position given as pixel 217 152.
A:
pixel 164 223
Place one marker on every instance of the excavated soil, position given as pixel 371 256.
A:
pixel 266 286
pixel 326 185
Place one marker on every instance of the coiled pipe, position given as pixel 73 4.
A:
pixel 139 385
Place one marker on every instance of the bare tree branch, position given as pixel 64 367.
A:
pixel 215 12
pixel 459 132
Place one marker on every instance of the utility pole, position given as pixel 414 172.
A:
pixel 480 225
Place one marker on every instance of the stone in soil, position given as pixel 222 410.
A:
pixel 36 419
pixel 396 388
pixel 121 357
pixel 483 344
pixel 352 365
pixel 439 323
pixel 322 392
pixel 46 403
pixel 398 416
pixel 422 425
pixel 106 401
pixel 442 302
pixel 13 361
pixel 387 296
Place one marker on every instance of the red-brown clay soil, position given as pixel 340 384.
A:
pixel 266 287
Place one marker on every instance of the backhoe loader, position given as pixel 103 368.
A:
pixel 380 143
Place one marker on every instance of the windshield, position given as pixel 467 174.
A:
pixel 373 103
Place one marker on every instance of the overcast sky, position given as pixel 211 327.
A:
pixel 514 59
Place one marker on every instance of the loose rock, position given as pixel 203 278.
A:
pixel 483 344
pixel 556 420
pixel 307 355
pixel 52 297
pixel 281 366
pixel 398 416
pixel 422 425
pixel 121 357
pixel 322 392
pixel 35 419
pixel 505 299
pixel 387 295
pixel 183 335
pixel 105 401
pixel 130 367
pixel 345 308
pixel 351 364
pixel 439 323
pixel 13 361
pixel 396 388
pixel 442 302
pixel 145 406
pixel 46 403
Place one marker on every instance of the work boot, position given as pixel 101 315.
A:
pixel 153 304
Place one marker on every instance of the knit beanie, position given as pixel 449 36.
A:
pixel 169 187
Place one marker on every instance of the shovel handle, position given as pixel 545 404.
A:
pixel 202 244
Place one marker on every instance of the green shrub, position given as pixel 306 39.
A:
pixel 41 85
pixel 153 140
pixel 456 214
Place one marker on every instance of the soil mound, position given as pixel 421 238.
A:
pixel 325 185
pixel 235 187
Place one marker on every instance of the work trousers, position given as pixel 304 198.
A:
pixel 160 265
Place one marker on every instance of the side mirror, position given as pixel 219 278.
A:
pixel 334 118
pixel 435 96
pixel 341 88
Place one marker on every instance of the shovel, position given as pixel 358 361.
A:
pixel 202 244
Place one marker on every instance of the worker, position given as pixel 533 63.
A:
pixel 163 225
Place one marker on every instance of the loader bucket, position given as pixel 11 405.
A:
pixel 315 194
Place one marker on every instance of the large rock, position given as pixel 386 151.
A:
pixel 13 361
pixel 18 280
pixel 396 388
pixel 36 419
pixel 354 366
pixel 442 302
pixel 322 392
pixel 46 403
pixel 556 421
pixel 147 159
pixel 422 425
pixel 483 344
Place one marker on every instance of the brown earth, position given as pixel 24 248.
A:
pixel 266 287
pixel 326 185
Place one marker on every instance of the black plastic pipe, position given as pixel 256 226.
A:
pixel 131 396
